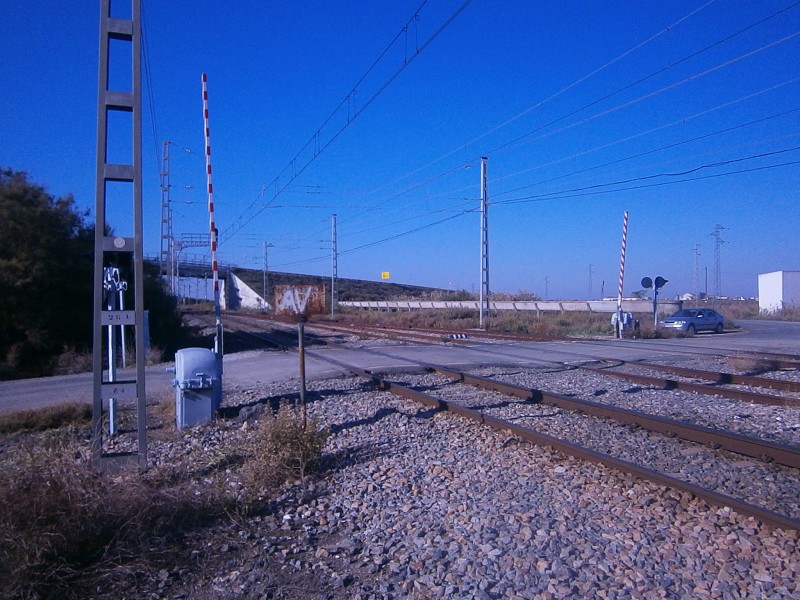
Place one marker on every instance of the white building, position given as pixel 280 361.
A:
pixel 778 290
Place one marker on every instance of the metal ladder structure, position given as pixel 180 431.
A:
pixel 166 256
pixel 124 252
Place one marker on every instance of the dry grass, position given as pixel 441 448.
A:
pixel 749 365
pixel 65 526
pixel 552 324
pixel 284 449
pixel 62 521
pixel 51 417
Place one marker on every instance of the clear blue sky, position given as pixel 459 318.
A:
pixel 684 113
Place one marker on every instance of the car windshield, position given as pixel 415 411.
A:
pixel 687 312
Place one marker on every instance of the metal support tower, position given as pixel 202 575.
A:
pixel 484 293
pixel 265 290
pixel 188 240
pixel 696 271
pixel 718 241
pixel 165 257
pixel 334 268
pixel 118 249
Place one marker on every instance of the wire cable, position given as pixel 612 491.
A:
pixel 315 139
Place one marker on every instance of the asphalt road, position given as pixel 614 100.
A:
pixel 246 369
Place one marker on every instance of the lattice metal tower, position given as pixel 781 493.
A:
pixel 696 289
pixel 167 251
pixel 334 269
pixel 113 183
pixel 484 293
pixel 718 241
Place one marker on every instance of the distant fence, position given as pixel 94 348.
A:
pixel 539 306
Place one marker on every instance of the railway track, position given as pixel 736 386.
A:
pixel 720 440
pixel 727 385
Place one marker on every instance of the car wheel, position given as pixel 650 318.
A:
pixel 690 330
pixel 718 328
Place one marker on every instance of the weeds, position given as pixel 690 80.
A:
pixel 63 525
pixel 51 417
pixel 751 365
pixel 284 449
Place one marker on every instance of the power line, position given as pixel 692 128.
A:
pixel 560 92
pixel 607 96
pixel 586 191
pixel 315 141
pixel 629 138
pixel 145 55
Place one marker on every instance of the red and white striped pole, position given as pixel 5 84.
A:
pixel 212 227
pixel 622 272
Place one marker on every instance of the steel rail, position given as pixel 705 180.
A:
pixel 734 442
pixel 718 378
pixel 698 388
pixel 766 516
pixel 660 382
pixel 783 361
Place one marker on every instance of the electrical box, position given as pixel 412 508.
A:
pixel 198 386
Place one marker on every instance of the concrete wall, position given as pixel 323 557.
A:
pixel 778 290
pixel 242 295
pixel 200 288
pixel 666 307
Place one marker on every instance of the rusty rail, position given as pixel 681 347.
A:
pixel 720 378
pixel 756 448
pixel 766 516
pixel 714 498
pixel 698 388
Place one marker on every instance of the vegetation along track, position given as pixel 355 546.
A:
pixel 584 429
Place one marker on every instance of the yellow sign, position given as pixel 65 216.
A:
pixel 385 275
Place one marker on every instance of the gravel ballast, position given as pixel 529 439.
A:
pixel 421 503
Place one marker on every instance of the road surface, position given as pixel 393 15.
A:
pixel 251 368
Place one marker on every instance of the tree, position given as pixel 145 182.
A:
pixel 46 281
pixel 45 262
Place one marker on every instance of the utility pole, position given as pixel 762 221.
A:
pixel 127 251
pixel 591 271
pixel 718 241
pixel 334 268
pixel 484 293
pixel 265 290
pixel 546 284
pixel 696 271
pixel 166 219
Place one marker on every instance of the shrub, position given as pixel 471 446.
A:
pixel 285 449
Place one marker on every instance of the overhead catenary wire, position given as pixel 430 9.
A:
pixel 616 161
pixel 148 85
pixel 319 148
pixel 570 193
pixel 560 92
pixel 639 154
pixel 594 102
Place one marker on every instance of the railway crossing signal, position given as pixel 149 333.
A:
pixel 655 285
